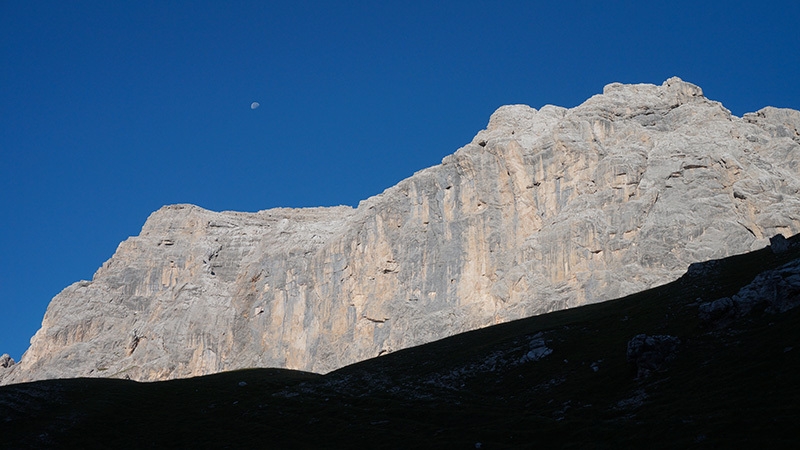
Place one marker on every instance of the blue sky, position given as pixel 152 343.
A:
pixel 112 109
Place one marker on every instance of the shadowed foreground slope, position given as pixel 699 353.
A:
pixel 669 367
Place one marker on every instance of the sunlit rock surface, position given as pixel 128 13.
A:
pixel 544 210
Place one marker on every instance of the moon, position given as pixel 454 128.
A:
pixel 254 105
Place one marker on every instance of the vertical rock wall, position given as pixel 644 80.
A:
pixel 543 210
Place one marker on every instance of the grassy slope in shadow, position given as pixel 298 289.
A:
pixel 559 380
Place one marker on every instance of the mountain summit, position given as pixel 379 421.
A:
pixel 544 210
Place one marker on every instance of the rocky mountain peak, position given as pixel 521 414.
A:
pixel 544 210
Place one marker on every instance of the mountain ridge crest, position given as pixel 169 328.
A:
pixel 543 210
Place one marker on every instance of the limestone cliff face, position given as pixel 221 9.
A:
pixel 543 210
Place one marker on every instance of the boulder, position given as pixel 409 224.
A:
pixel 649 354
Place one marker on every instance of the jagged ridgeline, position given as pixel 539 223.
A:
pixel 544 210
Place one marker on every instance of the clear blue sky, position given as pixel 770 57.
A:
pixel 109 110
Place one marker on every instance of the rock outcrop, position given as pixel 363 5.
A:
pixel 649 354
pixel 6 361
pixel 773 292
pixel 543 210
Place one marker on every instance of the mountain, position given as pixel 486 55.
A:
pixel 544 210
pixel 707 361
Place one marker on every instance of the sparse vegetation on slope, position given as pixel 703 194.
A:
pixel 569 379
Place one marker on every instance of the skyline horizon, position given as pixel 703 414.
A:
pixel 115 110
